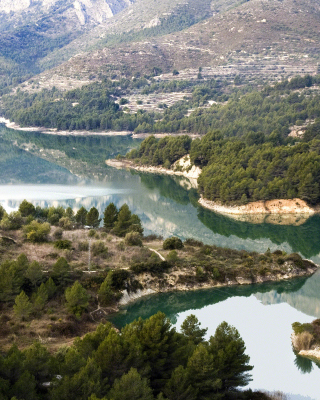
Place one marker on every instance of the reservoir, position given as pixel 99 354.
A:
pixel 70 171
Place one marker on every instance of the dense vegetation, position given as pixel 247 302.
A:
pixel 161 152
pixel 237 170
pixel 148 359
pixel 92 107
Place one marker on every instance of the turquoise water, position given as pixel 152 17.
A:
pixel 263 314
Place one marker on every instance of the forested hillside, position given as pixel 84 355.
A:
pixel 93 107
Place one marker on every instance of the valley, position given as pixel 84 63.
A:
pixel 159 169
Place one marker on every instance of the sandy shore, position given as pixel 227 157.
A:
pixel 278 206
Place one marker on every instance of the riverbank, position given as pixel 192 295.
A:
pixel 293 208
pixel 129 271
pixel 180 280
pixel 182 167
pixel 53 131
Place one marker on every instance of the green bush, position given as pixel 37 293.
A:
pixel 63 244
pixel 92 232
pixel 172 243
pixel 83 246
pixel 99 249
pixel 37 232
pixel 155 267
pixel 133 239
pixel 193 242
pixel 57 234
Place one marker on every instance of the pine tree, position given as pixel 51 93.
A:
pixel 77 299
pixel 22 307
pixel 131 386
pixel 81 216
pixel 92 218
pixel 110 217
pixel 51 288
pixel 34 273
pixel 228 350
pixel 191 328
pixel 41 298
pixel 123 222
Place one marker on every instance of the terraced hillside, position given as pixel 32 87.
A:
pixel 258 37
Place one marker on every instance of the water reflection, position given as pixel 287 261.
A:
pixel 264 326
pixel 304 365
pixel 304 238
pixel 167 205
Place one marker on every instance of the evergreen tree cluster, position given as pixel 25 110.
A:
pixel 240 170
pixel 93 107
pixel 161 152
pixel 121 222
pixel 147 360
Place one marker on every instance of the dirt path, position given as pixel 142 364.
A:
pixel 155 251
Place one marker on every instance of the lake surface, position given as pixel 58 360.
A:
pixel 167 206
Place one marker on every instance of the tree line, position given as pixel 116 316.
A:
pixel 146 360
pixel 93 107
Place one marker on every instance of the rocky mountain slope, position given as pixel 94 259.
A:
pixel 257 36
pixel 74 12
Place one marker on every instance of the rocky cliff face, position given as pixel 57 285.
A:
pixel 81 11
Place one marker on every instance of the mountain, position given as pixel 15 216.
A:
pixel 51 13
pixel 32 29
pixel 268 37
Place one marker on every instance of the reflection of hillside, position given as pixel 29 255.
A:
pixel 168 186
pixel 174 303
pixel 304 239
pixel 306 299
pixel 91 149
pixel 17 165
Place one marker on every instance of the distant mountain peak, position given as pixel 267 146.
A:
pixel 86 11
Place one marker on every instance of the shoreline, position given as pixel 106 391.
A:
pixel 290 207
pixel 149 290
pixel 192 174
pixel 278 211
pixel 54 131
pixel 313 354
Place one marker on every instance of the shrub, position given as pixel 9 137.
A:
pixel 303 341
pixel 152 237
pixel 172 256
pixel 57 234
pixel 172 243
pixel 37 232
pixel 133 239
pixel 12 221
pixel 155 267
pixel 200 274
pixel 83 246
pixel 63 244
pixel 99 249
pixel 193 242
pixel 65 223
pixel 91 233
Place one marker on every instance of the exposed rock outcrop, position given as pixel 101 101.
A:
pixel 182 167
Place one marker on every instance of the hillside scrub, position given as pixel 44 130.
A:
pixel 36 278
